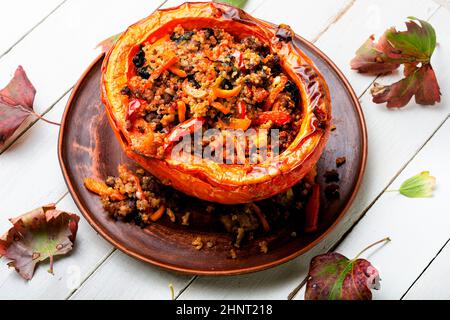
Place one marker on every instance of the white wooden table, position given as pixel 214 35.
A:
pixel 54 40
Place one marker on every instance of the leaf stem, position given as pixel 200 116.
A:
pixel 50 270
pixel 387 239
pixel 392 190
pixel 46 120
pixel 37 115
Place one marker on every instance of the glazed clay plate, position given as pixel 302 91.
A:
pixel 88 148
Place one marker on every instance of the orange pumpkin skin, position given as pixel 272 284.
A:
pixel 222 183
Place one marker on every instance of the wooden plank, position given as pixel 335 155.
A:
pixel 387 130
pixel 73 30
pixel 122 277
pixel 434 283
pixel 307 18
pixel 19 17
pixel 69 271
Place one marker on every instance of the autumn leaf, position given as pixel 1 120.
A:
pixel 420 82
pixel 107 44
pixel 332 276
pixel 416 44
pixel 371 59
pixel 413 48
pixel 419 186
pixel 16 104
pixel 36 236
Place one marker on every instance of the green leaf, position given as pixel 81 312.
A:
pixel 235 3
pixel 419 186
pixel 417 43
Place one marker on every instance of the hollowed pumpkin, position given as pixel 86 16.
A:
pixel 206 179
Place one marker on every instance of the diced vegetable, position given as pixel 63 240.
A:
pixel 278 87
pixel 102 189
pixel 240 124
pixel 195 93
pixel 181 111
pixel 277 117
pixel 223 93
pixel 133 106
pixel 312 209
pixel 242 109
pixel 179 72
pixel 166 65
pixel 183 129
pixel 158 213
pixel 219 106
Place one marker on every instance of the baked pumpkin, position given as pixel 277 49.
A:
pixel 185 71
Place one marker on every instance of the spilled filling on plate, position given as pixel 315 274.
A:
pixel 136 196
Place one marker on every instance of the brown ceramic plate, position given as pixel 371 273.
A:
pixel 88 148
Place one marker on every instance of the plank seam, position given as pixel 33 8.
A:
pixel 335 19
pixel 89 275
pixel 425 269
pixel 186 287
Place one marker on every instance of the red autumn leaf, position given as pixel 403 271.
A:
pixel 333 276
pixel 413 48
pixel 16 104
pixel 106 44
pixel 36 236
pixel 370 57
pixel 420 82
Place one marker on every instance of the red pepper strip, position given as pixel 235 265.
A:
pixel 133 106
pixel 312 209
pixel 261 217
pixel 278 117
pixel 242 109
pixel 238 56
pixel 184 128
pixel 275 92
pixel 155 74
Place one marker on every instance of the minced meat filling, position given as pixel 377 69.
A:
pixel 208 74
pixel 138 197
